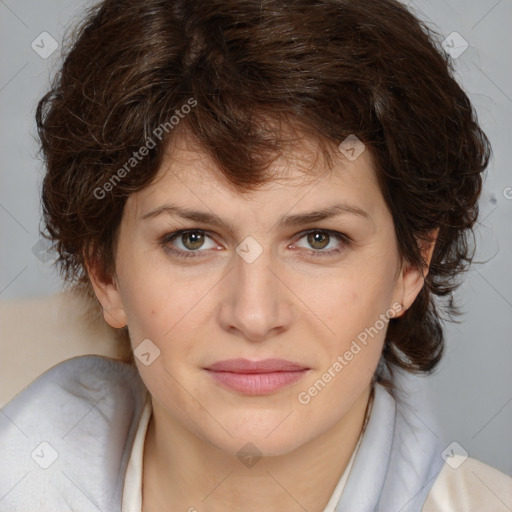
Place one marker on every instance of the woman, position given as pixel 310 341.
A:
pixel 266 199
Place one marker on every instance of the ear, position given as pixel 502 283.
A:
pixel 107 292
pixel 411 278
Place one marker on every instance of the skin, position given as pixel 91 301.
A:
pixel 287 304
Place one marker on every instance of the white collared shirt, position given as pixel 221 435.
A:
pixel 132 491
pixel 465 485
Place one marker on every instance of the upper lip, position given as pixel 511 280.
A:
pixel 261 366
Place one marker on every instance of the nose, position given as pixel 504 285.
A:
pixel 256 305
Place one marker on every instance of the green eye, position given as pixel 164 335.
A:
pixel 191 243
pixel 321 242
pixel 193 239
pixel 318 239
pixel 187 243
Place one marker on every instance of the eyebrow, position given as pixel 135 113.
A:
pixel 285 220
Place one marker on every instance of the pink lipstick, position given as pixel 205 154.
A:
pixel 256 377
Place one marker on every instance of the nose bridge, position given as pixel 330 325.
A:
pixel 257 305
pixel 254 279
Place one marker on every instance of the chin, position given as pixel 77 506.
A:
pixel 279 439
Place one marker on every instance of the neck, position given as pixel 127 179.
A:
pixel 192 475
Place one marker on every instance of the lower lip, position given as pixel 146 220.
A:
pixel 257 383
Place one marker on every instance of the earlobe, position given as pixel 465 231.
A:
pixel 107 292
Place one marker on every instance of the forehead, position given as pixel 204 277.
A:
pixel 299 175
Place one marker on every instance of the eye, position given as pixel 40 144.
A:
pixel 187 242
pixel 196 242
pixel 324 242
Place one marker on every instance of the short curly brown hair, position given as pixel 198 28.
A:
pixel 332 67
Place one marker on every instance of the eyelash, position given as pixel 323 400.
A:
pixel 345 241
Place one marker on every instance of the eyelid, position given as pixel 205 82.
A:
pixel 343 239
pixel 171 236
pixel 331 232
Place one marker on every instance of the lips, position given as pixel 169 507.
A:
pixel 262 366
pixel 256 377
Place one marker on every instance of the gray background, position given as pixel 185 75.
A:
pixel 472 390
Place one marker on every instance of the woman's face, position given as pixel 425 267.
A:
pixel 258 276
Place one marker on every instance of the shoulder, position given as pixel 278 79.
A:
pixel 468 485
pixel 58 429
pixel 71 388
pixel 83 378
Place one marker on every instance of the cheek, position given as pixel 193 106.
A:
pixel 165 305
pixel 355 307
pixel 143 293
pixel 349 301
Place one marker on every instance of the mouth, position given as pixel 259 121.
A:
pixel 256 377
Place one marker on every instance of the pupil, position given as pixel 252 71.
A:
pixel 318 240
pixel 192 240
